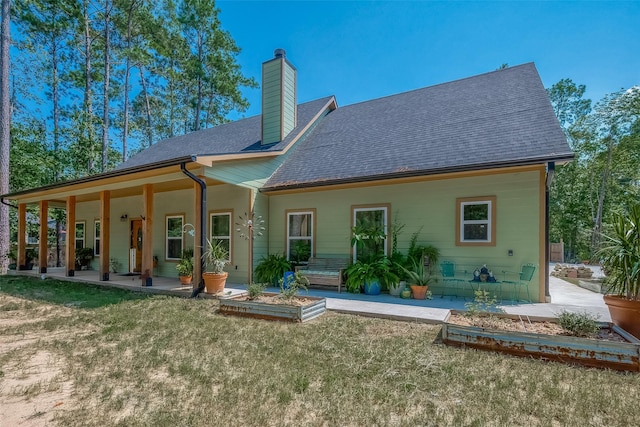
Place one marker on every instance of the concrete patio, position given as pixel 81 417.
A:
pixel 564 296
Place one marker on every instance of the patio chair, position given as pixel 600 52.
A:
pixel 448 272
pixel 524 279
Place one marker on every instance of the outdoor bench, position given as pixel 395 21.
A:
pixel 324 271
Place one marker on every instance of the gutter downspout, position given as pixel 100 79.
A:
pixel 551 170
pixel 7 204
pixel 203 224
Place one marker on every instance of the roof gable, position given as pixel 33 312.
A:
pixel 494 119
pixel 241 137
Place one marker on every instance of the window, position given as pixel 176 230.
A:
pixel 173 233
pixel 476 221
pixel 300 235
pixel 371 225
pixel 96 238
pixel 220 229
pixel 79 234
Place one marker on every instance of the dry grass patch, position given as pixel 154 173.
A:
pixel 164 361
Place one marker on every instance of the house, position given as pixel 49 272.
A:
pixel 485 146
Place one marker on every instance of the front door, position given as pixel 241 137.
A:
pixel 135 246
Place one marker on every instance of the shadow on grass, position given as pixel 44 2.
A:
pixel 70 294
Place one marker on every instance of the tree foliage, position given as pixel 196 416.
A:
pixel 604 176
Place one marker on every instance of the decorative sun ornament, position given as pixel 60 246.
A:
pixel 250 226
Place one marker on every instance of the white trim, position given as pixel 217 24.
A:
pixel 167 238
pixel 213 237
pixel 310 238
pixel 486 222
pixel 385 219
pixel 97 234
pixel 84 233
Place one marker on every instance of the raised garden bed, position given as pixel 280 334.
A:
pixel 271 306
pixel 613 348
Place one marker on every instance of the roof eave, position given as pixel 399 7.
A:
pixel 104 175
pixel 417 173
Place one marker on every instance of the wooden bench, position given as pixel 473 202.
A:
pixel 324 271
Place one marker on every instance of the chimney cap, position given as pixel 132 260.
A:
pixel 279 53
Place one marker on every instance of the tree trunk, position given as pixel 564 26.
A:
pixel 105 115
pixel 127 73
pixel 88 94
pixel 196 121
pixel 596 236
pixel 147 106
pixel 5 132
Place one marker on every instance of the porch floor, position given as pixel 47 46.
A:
pixel 564 296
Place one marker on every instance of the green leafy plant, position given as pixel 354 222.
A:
pixel 369 241
pixel 185 266
pixel 255 290
pixel 301 252
pixel 270 269
pixel 360 272
pixel 579 324
pixel 620 257
pixel 216 257
pixel 83 256
pixel 293 286
pixel 483 302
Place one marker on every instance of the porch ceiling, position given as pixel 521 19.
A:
pixel 163 180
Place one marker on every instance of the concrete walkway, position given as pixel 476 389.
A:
pixel 564 296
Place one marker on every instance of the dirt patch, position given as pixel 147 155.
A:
pixel 525 325
pixel 33 387
pixel 277 299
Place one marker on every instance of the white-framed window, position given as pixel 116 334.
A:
pixel 220 229
pixel 79 234
pixel 173 237
pixel 96 237
pixel 374 220
pixel 300 235
pixel 476 221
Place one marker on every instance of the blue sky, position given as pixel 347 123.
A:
pixel 360 50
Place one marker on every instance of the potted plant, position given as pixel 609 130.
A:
pixel 216 257
pixel 271 269
pixel 419 278
pixel 83 258
pixel 369 276
pixel 621 260
pixel 185 267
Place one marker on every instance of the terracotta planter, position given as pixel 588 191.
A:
pixel 214 283
pixel 419 292
pixel 624 313
pixel 185 280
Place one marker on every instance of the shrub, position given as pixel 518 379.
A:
pixel 579 324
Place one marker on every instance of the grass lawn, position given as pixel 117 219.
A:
pixel 73 354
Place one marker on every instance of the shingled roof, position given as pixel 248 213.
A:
pixel 498 119
pixel 239 137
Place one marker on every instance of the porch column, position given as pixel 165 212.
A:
pixel 22 235
pixel 105 231
pixel 147 230
pixel 44 236
pixel 197 225
pixel 70 251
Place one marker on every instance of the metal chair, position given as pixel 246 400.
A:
pixel 448 272
pixel 524 279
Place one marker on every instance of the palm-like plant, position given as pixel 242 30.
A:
pixel 418 274
pixel 621 256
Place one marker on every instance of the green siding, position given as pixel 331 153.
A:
pixel 428 207
pixel 278 100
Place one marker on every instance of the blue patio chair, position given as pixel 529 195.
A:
pixel 448 272
pixel 524 279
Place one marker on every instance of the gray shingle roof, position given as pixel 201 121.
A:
pixel 496 119
pixel 242 136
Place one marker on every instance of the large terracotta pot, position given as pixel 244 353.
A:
pixel 419 292
pixel 624 313
pixel 214 283
pixel 185 280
